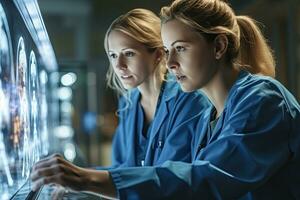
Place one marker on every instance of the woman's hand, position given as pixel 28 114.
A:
pixel 55 169
pixel 58 193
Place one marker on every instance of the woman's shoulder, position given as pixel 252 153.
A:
pixel 259 88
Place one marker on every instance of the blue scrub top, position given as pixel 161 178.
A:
pixel 252 153
pixel 171 131
pixel 142 136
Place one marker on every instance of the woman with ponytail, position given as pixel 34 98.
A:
pixel 153 110
pixel 247 144
pixel 156 118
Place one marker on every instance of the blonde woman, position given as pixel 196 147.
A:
pixel 155 116
pixel 248 146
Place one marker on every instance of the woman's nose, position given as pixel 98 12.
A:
pixel 172 63
pixel 120 63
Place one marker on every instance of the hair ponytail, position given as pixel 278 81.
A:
pixel 254 52
pixel 247 47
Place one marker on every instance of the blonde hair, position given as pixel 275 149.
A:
pixel 247 47
pixel 144 26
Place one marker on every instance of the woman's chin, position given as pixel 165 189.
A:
pixel 129 86
pixel 185 88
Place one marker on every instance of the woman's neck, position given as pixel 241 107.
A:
pixel 218 88
pixel 149 96
pixel 150 89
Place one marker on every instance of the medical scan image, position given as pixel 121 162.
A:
pixel 26 62
pixel 21 115
pixel 43 113
pixel 34 106
pixel 5 118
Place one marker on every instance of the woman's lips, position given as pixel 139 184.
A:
pixel 125 76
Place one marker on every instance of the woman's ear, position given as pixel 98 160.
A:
pixel 221 44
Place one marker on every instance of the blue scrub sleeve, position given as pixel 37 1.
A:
pixel 118 156
pixel 252 146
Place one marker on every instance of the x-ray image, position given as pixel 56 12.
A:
pixel 33 91
pixel 6 74
pixel 22 126
pixel 44 113
pixel 26 59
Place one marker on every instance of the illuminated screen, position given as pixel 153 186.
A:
pixel 7 156
pixel 23 110
pixel 33 92
pixel 43 113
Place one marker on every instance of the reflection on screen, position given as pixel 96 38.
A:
pixel 23 112
pixel 6 175
pixel 43 112
pixel 21 116
pixel 35 139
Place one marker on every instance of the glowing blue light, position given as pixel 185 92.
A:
pixel 68 79
pixel 65 93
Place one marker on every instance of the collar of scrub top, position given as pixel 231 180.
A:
pixel 170 90
pixel 204 139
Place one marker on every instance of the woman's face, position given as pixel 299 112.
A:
pixel 133 63
pixel 189 56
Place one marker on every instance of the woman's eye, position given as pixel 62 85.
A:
pixel 180 48
pixel 166 51
pixel 129 54
pixel 113 55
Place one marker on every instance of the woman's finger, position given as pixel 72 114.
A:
pixel 55 159
pixel 47 172
pixel 56 178
pixel 58 193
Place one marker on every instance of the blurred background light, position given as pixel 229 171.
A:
pixel 65 93
pixel 69 151
pixel 64 132
pixel 66 107
pixel 68 79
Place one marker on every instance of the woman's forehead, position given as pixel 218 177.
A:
pixel 175 30
pixel 118 39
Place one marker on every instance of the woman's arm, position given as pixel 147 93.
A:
pixel 248 156
pixel 55 169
